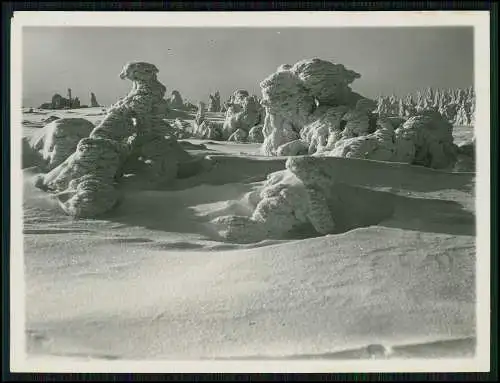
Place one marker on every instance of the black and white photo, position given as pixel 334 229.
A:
pixel 292 193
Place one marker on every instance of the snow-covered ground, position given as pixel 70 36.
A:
pixel 151 281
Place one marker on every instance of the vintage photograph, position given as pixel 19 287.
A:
pixel 250 192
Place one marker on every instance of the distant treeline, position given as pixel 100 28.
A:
pixel 458 106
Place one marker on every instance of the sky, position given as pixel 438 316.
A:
pixel 199 61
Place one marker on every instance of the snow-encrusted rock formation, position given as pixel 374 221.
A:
pixel 243 113
pixel 306 198
pixel 312 116
pixel 293 148
pixel 255 134
pixel 209 130
pixel 130 138
pixel 57 140
pixel 85 183
pixel 312 103
pixel 298 95
pixel 429 138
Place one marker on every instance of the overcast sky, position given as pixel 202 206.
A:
pixel 199 61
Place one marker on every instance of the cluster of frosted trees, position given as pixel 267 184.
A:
pixel 456 105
